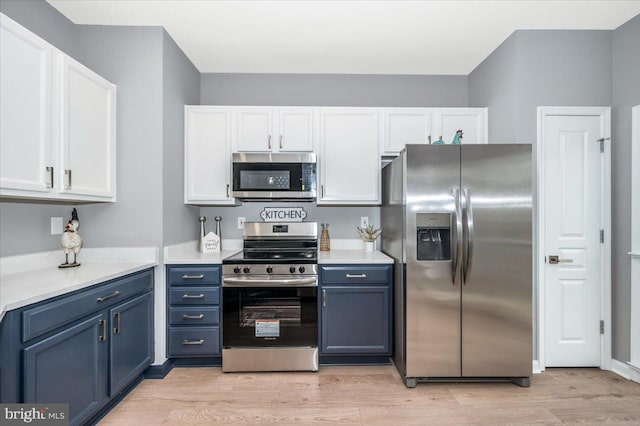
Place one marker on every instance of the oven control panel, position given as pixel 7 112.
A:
pixel 265 269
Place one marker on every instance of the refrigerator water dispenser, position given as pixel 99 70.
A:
pixel 433 236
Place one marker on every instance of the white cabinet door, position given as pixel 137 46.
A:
pixel 88 139
pixel 349 156
pixel 295 130
pixel 401 126
pixel 208 155
pixel 25 111
pixel 255 129
pixel 472 122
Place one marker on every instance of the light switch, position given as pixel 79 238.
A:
pixel 241 221
pixel 364 221
pixel 56 225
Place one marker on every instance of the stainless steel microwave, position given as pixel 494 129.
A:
pixel 281 177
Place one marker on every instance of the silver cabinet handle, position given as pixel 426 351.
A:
pixel 554 260
pixel 49 170
pixel 185 316
pixel 103 298
pixel 193 342
pixel 356 275
pixel 190 296
pixel 192 277
pixel 102 337
pixel 324 298
pixel 321 191
pixel 227 190
pixel 269 141
pixel 280 141
pixel 67 173
pixel 116 317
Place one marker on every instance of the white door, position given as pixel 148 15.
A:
pixel 401 126
pixel 447 121
pixel 295 130
pixel 573 220
pixel 208 155
pixel 25 110
pixel 255 127
pixel 349 160
pixel 88 139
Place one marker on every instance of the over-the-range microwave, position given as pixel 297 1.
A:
pixel 279 177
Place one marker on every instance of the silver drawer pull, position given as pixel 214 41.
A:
pixel 193 316
pixel 190 296
pixel 103 298
pixel 356 275
pixel 193 342
pixel 193 277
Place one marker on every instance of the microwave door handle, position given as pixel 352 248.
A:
pixel 470 229
pixel 458 234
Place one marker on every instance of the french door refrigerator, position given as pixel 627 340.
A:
pixel 457 221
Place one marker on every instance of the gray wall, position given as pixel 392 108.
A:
pixel 181 86
pixel 334 90
pixel 626 94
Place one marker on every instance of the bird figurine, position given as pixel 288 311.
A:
pixel 71 241
pixel 438 142
pixel 457 138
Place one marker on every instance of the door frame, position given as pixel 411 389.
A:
pixel 605 258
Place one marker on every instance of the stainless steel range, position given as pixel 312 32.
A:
pixel 270 299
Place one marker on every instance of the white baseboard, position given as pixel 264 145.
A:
pixel 536 367
pixel 625 370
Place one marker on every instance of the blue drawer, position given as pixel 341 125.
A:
pixel 354 274
pixel 194 295
pixel 194 275
pixel 49 316
pixel 205 315
pixel 194 341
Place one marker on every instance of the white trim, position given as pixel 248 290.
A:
pixel 536 367
pixel 605 309
pixel 625 370
pixel 634 319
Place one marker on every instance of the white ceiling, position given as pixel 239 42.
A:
pixel 346 37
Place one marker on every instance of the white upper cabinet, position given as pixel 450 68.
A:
pixel 447 121
pixel 88 139
pixel 273 129
pixel 26 72
pixel 57 137
pixel 400 126
pixel 349 157
pixel 207 165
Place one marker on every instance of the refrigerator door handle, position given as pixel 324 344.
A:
pixel 469 236
pixel 458 240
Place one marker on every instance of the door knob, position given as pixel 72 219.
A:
pixel 554 260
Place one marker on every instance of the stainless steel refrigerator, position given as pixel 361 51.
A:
pixel 457 220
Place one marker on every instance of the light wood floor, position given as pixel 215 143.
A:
pixel 375 396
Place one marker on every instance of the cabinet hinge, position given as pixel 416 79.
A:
pixel 602 236
pixel 601 326
pixel 601 141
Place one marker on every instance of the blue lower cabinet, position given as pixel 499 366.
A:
pixel 84 358
pixel 69 367
pixel 131 341
pixel 355 313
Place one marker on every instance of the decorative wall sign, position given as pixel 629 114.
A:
pixel 283 214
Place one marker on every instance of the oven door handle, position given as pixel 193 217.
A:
pixel 262 282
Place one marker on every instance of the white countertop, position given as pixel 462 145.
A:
pixel 187 253
pixel 352 257
pixel 36 277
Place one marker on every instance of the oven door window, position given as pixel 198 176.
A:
pixel 270 316
pixel 267 177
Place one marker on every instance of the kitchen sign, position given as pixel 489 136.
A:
pixel 283 214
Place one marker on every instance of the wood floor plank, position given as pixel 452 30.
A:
pixel 375 395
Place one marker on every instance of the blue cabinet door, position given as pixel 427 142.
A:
pixel 355 320
pixel 68 367
pixel 131 341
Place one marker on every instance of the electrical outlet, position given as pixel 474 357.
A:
pixel 364 221
pixel 56 225
pixel 241 221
